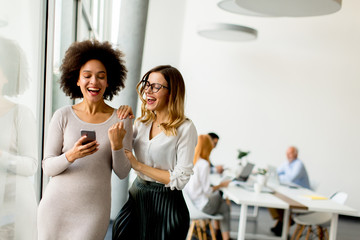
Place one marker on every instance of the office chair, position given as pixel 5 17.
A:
pixel 319 219
pixel 200 220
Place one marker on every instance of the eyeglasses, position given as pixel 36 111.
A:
pixel 155 87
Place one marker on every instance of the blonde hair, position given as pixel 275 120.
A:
pixel 203 148
pixel 176 87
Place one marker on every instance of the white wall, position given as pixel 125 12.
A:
pixel 297 84
pixel 164 29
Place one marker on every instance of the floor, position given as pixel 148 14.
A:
pixel 348 228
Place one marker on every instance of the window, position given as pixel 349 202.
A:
pixel 21 86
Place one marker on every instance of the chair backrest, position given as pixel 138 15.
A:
pixel 314 184
pixel 339 197
pixel 195 213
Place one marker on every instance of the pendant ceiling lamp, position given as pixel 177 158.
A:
pixel 231 6
pixel 291 8
pixel 227 32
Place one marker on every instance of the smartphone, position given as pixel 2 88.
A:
pixel 90 136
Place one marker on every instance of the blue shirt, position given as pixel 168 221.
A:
pixel 294 172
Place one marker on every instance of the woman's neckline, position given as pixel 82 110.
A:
pixel 149 132
pixel 100 123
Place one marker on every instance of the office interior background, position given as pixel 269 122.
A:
pixel 297 84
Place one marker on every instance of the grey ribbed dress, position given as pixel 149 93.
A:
pixel 76 202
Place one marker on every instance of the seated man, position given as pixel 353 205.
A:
pixel 291 171
pixel 215 139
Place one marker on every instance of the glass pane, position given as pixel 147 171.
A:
pixel 87 5
pixel 85 32
pixel 115 21
pixel 21 88
pixel 64 35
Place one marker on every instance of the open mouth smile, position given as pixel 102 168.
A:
pixel 150 100
pixel 93 91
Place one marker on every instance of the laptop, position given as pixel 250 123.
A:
pixel 242 179
pixel 242 176
pixel 274 178
pixel 245 172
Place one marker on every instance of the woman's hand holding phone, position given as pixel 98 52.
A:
pixel 81 149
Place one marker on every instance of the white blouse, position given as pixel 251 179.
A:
pixel 199 188
pixel 172 153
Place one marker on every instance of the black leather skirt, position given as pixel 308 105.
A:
pixel 152 212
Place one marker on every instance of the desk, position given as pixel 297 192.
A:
pixel 247 198
pixel 327 205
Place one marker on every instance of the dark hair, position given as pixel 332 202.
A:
pixel 213 135
pixel 81 52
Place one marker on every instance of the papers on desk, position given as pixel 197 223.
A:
pixel 315 197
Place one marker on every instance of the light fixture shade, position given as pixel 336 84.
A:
pixel 227 32
pixel 291 8
pixel 231 6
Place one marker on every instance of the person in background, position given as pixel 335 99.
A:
pixel 164 145
pixel 205 197
pixel 76 202
pixel 215 139
pixel 291 171
pixel 18 147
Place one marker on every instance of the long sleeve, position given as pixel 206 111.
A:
pixel 121 164
pixel 170 153
pixel 184 157
pixel 294 172
pixel 204 179
pixel 291 172
pixel 198 187
pixel 54 161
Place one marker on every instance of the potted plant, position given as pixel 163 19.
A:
pixel 242 154
pixel 238 168
pixel 261 176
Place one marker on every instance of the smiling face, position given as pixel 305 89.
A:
pixel 157 101
pixel 93 80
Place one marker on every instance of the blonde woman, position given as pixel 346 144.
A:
pixel 204 196
pixel 164 141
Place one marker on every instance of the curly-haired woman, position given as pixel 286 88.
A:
pixel 76 203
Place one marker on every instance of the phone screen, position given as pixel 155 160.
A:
pixel 90 136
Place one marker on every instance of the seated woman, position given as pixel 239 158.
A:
pixel 204 196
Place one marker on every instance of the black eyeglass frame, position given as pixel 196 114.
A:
pixel 146 85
